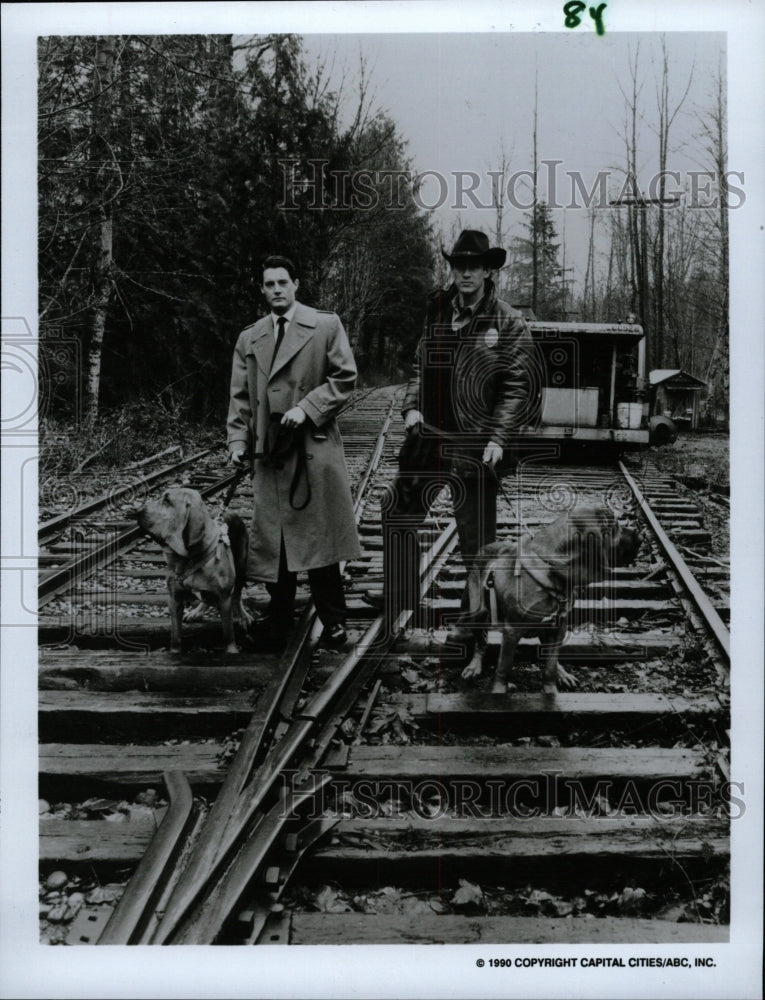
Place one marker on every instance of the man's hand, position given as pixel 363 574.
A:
pixel 492 454
pixel 412 418
pixel 238 458
pixel 293 417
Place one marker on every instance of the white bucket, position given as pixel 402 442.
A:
pixel 629 415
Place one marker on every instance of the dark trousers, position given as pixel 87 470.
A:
pixel 404 507
pixel 326 590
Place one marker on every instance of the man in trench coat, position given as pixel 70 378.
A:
pixel 295 368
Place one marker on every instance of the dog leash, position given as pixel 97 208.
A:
pixel 238 477
pixel 500 487
pixel 278 451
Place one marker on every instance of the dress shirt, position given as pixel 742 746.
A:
pixel 288 316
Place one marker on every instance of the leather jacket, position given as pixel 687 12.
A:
pixel 476 384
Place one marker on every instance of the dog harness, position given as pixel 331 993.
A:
pixel 540 574
pixel 221 536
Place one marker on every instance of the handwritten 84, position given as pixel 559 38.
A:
pixel 573 9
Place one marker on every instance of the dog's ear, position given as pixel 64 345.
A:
pixel 171 516
pixel 626 546
pixel 196 522
pixel 588 546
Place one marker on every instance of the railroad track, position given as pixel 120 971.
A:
pixel 374 797
pixel 89 535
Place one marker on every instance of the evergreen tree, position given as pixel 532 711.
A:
pixel 536 278
pixel 163 186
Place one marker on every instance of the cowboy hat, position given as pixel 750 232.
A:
pixel 473 244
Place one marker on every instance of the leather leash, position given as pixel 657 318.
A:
pixel 238 477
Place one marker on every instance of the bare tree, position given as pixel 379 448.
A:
pixel 667 116
pixel 106 184
pixel 636 217
pixel 589 301
pixel 714 130
pixel 534 229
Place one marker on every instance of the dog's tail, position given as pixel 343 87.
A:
pixel 240 543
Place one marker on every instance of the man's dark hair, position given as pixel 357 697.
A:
pixel 276 260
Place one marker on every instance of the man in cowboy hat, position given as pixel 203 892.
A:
pixel 470 391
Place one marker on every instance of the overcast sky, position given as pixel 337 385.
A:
pixel 458 98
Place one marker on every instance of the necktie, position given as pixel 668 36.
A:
pixel 281 323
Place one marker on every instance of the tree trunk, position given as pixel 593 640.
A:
pixel 102 216
pixel 103 289
pixel 535 227
pixel 719 368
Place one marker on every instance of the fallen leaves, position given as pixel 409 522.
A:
pixel 329 900
pixel 391 725
pixel 468 896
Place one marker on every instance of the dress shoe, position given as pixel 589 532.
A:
pixel 270 624
pixel 333 636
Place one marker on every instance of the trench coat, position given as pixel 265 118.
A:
pixel 315 370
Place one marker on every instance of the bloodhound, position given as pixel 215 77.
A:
pixel 205 558
pixel 535 583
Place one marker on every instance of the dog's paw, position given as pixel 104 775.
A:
pixel 566 680
pixel 232 648
pixel 176 650
pixel 502 687
pixel 472 671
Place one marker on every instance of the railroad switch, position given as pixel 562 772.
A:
pixel 277 927
pixel 87 925
pixel 273 875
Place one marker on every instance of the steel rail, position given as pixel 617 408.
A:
pixel 705 607
pixel 432 563
pixel 127 922
pixel 374 461
pixel 219 839
pixel 236 864
pixel 152 885
pixel 214 911
pixel 282 754
pixel 206 852
pixel 206 849
pixel 266 901
pixel 59 580
pixel 54 524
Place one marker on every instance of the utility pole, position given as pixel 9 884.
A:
pixel 640 202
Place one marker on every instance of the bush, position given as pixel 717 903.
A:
pixel 118 437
